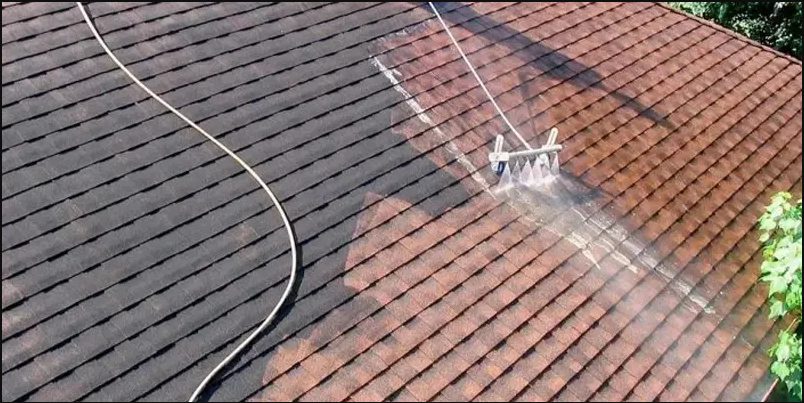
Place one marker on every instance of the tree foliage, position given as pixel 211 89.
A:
pixel 780 231
pixel 776 24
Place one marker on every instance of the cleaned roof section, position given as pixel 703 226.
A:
pixel 135 255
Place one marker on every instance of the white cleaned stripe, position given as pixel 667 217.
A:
pixel 422 115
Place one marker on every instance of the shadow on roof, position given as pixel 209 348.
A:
pixel 551 62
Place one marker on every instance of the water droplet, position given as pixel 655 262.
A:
pixel 516 172
pixel 505 180
pixel 538 174
pixel 526 176
pixel 555 168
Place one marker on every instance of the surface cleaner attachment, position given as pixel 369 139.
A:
pixel 531 168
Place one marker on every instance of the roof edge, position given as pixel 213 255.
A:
pixel 733 33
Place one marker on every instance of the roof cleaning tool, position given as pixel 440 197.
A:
pixel 530 167
pixel 291 237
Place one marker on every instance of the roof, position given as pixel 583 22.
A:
pixel 135 255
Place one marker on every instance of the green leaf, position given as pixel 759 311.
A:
pixel 767 224
pixel 783 352
pixel 781 234
pixel 777 309
pixel 793 300
pixel 780 370
pixel 789 224
pixel 778 285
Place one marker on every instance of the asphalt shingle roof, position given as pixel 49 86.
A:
pixel 135 255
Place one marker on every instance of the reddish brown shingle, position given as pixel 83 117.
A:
pixel 123 278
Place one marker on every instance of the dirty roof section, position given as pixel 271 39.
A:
pixel 135 255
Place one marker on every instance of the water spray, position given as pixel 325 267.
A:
pixel 530 168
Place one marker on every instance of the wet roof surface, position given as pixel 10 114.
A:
pixel 136 255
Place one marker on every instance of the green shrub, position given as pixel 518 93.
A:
pixel 780 231
pixel 775 24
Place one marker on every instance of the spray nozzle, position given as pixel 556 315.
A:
pixel 530 167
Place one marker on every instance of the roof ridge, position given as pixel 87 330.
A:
pixel 737 35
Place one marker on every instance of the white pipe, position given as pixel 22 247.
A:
pixel 256 177
pixel 551 139
pixel 538 151
pixel 480 81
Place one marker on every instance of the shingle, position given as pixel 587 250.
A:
pixel 134 254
